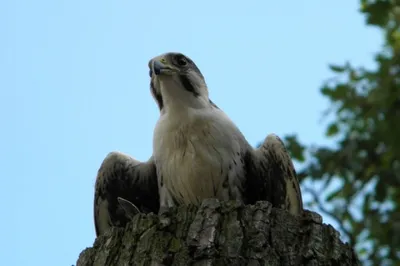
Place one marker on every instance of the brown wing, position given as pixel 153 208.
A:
pixel 271 176
pixel 121 176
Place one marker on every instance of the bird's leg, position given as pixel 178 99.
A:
pixel 130 209
pixel 166 200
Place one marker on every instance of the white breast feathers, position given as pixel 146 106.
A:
pixel 197 155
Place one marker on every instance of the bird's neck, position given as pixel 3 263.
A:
pixel 181 102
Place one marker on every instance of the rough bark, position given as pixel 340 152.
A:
pixel 221 233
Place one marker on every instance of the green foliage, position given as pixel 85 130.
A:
pixel 366 157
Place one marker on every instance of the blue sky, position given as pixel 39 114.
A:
pixel 75 86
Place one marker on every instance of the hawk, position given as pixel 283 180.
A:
pixel 198 153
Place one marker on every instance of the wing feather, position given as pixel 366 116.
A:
pixel 271 176
pixel 121 176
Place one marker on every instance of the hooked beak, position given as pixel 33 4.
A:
pixel 160 67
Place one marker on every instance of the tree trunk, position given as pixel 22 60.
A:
pixel 221 233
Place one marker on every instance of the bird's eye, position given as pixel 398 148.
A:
pixel 181 61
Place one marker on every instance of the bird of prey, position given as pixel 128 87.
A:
pixel 198 153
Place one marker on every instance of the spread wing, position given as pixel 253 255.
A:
pixel 122 180
pixel 271 176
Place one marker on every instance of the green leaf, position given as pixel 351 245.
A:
pixel 295 148
pixel 326 90
pixel 337 69
pixel 365 110
pixel 332 130
pixel 362 252
pixel 378 12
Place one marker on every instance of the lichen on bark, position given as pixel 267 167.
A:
pixel 221 233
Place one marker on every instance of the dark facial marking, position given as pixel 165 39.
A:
pixel 181 60
pixel 187 84
pixel 157 96
pixel 178 60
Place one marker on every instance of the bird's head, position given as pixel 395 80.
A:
pixel 177 83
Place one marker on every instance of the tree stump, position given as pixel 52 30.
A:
pixel 221 233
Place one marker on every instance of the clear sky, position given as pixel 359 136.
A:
pixel 74 86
